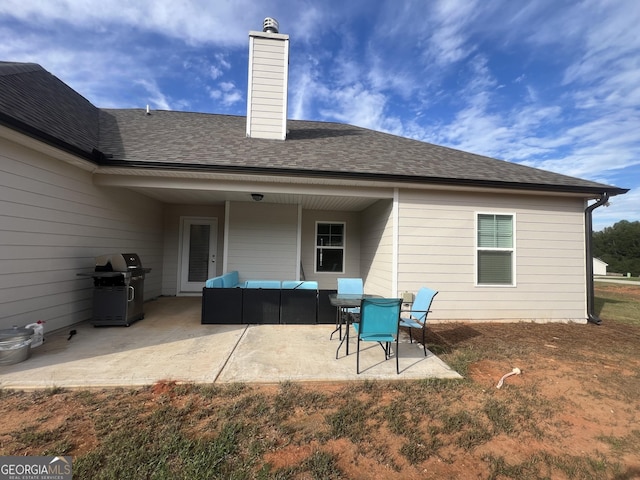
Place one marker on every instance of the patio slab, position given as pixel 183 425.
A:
pixel 170 344
pixel 305 353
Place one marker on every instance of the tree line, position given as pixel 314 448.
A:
pixel 619 246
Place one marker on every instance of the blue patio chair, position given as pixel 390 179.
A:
pixel 379 321
pixel 350 286
pixel 417 316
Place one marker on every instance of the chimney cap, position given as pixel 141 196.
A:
pixel 270 25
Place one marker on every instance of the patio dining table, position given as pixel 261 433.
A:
pixel 343 302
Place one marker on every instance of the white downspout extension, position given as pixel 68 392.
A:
pixel 396 240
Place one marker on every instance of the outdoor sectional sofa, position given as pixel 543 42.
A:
pixel 225 300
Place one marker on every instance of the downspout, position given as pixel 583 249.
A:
pixel 588 216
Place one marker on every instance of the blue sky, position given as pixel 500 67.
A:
pixel 552 84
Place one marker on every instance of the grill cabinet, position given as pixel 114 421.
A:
pixel 118 293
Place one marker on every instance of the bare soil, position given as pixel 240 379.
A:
pixel 573 412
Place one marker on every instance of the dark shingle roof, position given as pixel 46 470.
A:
pixel 195 140
pixel 36 103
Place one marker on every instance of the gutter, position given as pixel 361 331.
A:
pixel 588 216
pixel 95 156
pixel 107 161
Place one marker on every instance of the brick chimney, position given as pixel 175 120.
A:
pixel 268 82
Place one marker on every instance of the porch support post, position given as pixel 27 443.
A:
pixel 299 244
pixel 225 236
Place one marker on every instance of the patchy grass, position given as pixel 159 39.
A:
pixel 619 302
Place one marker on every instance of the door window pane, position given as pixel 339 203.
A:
pixel 199 253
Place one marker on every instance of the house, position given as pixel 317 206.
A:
pixel 599 266
pixel 196 195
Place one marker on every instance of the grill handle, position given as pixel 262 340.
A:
pixel 132 293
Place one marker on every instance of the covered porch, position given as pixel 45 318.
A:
pixel 170 344
pixel 266 228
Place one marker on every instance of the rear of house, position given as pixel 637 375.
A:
pixel 197 195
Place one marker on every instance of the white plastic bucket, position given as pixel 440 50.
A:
pixel 38 333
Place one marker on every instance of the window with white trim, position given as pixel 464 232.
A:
pixel 330 241
pixel 495 249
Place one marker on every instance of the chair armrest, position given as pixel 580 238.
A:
pixel 421 319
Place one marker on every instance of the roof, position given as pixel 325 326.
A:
pixel 37 103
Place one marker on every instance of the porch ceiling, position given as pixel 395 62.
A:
pixel 217 197
pixel 201 188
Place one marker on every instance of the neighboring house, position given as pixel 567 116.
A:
pixel 500 241
pixel 599 267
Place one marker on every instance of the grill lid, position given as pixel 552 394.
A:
pixel 118 262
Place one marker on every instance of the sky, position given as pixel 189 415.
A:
pixel 552 84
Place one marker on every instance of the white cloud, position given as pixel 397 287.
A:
pixel 215 72
pixel 196 21
pixel 157 99
pixel 221 58
pixel 354 104
pixel 231 98
pixel 449 40
pixel 306 22
pixel 300 94
pixel 227 94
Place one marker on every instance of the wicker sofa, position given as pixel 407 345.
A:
pixel 225 300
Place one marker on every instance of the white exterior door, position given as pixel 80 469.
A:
pixel 198 252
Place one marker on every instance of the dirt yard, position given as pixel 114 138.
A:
pixel 573 413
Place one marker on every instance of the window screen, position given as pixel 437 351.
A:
pixel 495 249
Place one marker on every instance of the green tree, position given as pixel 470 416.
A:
pixel 619 246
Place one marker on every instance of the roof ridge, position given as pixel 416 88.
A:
pixel 17 68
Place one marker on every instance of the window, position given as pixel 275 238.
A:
pixel 495 250
pixel 330 247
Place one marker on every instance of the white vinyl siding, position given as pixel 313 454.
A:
pixel 262 241
pixel 328 280
pixel 377 248
pixel 437 248
pixel 53 223
pixel 268 79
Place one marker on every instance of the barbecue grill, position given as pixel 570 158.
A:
pixel 118 294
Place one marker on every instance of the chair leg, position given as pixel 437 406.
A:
pixel 338 324
pixel 346 328
pixel 358 357
pixel 410 336
pixel 397 356
pixel 424 343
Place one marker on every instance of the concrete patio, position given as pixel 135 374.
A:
pixel 171 344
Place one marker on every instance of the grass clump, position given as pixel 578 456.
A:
pixel 349 421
